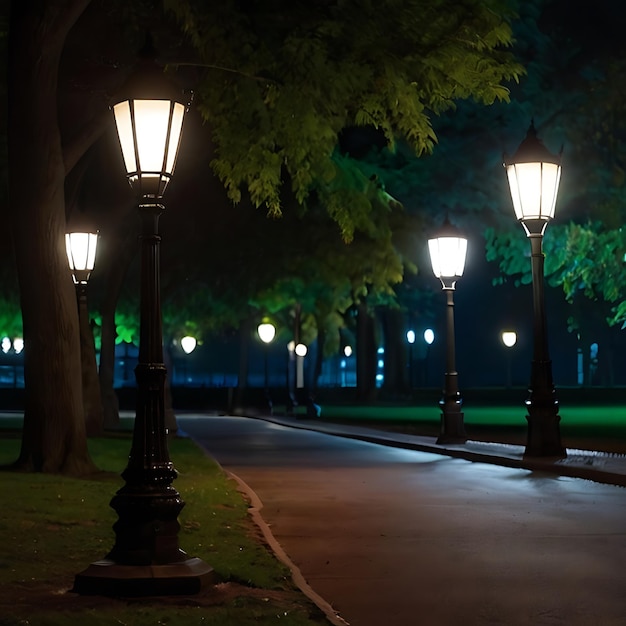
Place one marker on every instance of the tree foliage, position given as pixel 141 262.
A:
pixel 573 80
pixel 281 80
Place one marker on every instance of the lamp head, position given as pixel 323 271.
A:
pixel 149 110
pixel 534 174
pixel 448 249
pixel 81 254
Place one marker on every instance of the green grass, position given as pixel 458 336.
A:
pixel 599 427
pixel 53 527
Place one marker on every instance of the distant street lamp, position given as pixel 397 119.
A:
pixel 267 332
pixel 447 255
pixel 81 256
pixel 301 351
pixel 534 174
pixel 410 338
pixel 429 337
pixel 188 344
pixel 509 339
pixel 146 558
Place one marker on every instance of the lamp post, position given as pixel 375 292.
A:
pixel 509 339
pixel 81 256
pixel 267 332
pixel 429 338
pixel 146 558
pixel 188 345
pixel 410 338
pixel 534 174
pixel 447 255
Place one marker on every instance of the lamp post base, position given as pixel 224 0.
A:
pixel 544 438
pixel 452 428
pixel 108 578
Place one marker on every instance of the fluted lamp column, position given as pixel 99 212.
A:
pixel 534 174
pixel 146 558
pixel 448 249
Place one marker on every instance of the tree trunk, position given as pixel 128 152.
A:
pixel 319 357
pixel 120 256
pixel 396 371
pixel 244 362
pixel 92 403
pixel 365 355
pixel 54 438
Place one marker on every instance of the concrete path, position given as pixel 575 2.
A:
pixel 399 536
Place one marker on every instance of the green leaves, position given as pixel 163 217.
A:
pixel 285 79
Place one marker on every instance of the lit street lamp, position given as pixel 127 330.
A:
pixel 429 338
pixel 267 332
pixel 81 256
pixel 509 339
pixel 447 256
pixel 188 344
pixel 146 558
pixel 533 175
pixel 410 338
pixel 301 350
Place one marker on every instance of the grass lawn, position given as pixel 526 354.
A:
pixel 596 427
pixel 52 527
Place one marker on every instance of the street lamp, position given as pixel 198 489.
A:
pixel 429 337
pixel 447 255
pixel 410 338
pixel 301 351
pixel 533 174
pixel 267 332
pixel 188 344
pixel 81 256
pixel 146 558
pixel 509 339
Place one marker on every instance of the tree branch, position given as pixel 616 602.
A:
pixel 82 141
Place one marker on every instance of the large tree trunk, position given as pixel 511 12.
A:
pixel 365 355
pixel 54 437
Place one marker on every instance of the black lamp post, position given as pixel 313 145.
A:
pixel 410 338
pixel 509 339
pixel 81 256
pixel 447 255
pixel 267 332
pixel 146 558
pixel 534 174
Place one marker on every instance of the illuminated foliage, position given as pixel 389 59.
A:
pixel 281 80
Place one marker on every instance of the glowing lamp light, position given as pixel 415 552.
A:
pixel 410 336
pixel 534 174
pixel 429 336
pixel 301 349
pixel 188 344
pixel 266 332
pixel 18 345
pixel 347 351
pixel 149 115
pixel 448 249
pixel 509 338
pixel 81 254
pixel 6 344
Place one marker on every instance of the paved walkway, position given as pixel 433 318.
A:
pixel 602 467
pixel 402 537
